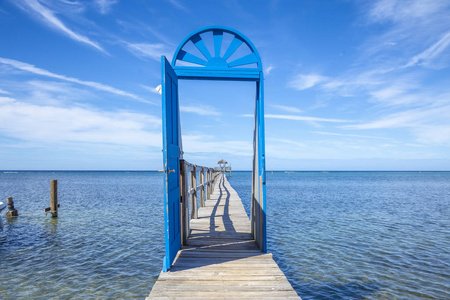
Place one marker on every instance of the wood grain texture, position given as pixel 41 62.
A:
pixel 221 259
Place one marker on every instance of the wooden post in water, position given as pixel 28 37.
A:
pixel 202 183
pixel 184 204
pixel 194 214
pixel 54 198
pixel 11 212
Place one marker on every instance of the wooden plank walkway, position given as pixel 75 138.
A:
pixel 222 261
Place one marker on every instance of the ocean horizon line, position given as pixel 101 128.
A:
pixel 233 171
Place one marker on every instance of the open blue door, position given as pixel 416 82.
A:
pixel 171 154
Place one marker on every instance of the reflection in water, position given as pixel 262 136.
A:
pixel 51 229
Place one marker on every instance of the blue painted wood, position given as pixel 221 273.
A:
pixel 220 65
pixel 218 37
pixel 171 155
pixel 248 59
pixel 191 58
pixel 200 44
pixel 231 65
pixel 205 74
pixel 262 161
pixel 234 45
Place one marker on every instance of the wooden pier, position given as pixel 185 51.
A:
pixel 221 260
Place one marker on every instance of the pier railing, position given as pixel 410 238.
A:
pixel 191 193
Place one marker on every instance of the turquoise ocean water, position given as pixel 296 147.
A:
pixel 336 235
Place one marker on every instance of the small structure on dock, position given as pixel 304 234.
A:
pixel 223 167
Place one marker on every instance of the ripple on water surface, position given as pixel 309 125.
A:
pixel 106 243
pixel 359 235
pixel 337 235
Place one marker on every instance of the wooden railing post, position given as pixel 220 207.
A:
pixel 194 214
pixel 202 183
pixel 208 178
pixel 184 203
pixel 213 181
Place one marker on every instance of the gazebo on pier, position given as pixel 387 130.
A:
pixel 223 166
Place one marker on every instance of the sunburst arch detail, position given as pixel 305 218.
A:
pixel 219 59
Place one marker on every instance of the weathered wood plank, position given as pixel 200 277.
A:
pixel 220 259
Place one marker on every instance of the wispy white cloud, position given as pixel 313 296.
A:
pixel 104 6
pixel 401 11
pixel 385 72
pixel 431 53
pixel 178 5
pixel 438 135
pixel 51 92
pixel 396 120
pixel 202 110
pixel 38 71
pixel 290 109
pixel 303 81
pixel 4 92
pixel 302 118
pixel 47 16
pixel 144 50
pixel 55 125
pixel 410 26
pixel 351 135
pixel 429 124
pixel 268 70
pixel 355 80
pixel 140 27
pixel 207 144
pixel 286 141
pixel 156 90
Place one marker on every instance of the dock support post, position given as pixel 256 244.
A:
pixel 184 204
pixel 12 212
pixel 54 198
pixel 202 183
pixel 194 214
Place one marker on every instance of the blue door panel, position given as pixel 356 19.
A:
pixel 171 151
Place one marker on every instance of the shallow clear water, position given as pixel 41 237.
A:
pixel 107 241
pixel 338 235
pixel 360 235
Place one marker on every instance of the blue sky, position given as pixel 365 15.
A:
pixel 349 85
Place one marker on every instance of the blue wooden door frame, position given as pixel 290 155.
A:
pixel 218 65
pixel 171 153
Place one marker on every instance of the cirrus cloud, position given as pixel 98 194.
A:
pixel 305 81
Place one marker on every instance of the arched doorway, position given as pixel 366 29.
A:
pixel 238 60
